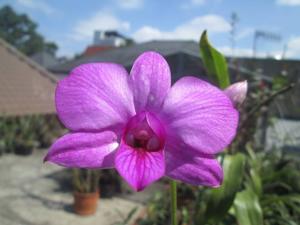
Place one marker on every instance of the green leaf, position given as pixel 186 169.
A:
pixel 128 217
pixel 254 180
pixel 221 199
pixel 247 208
pixel 214 62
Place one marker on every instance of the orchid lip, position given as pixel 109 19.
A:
pixel 140 136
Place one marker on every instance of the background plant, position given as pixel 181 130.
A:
pixel 86 180
pixel 28 132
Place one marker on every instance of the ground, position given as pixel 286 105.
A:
pixel 33 193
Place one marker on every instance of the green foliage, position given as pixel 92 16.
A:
pixel 247 208
pixel 127 219
pixel 253 179
pixel 280 176
pixel 20 31
pixel 220 200
pixel 279 81
pixel 86 180
pixel 157 210
pixel 23 134
pixel 16 135
pixel 214 62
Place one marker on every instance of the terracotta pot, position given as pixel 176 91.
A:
pixel 85 203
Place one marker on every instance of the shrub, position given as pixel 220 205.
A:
pixel 22 134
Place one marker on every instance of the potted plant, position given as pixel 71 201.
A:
pixel 25 139
pixel 110 183
pixel 24 146
pixel 86 191
pixel 47 129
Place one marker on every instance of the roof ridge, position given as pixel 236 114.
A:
pixel 169 40
pixel 136 44
pixel 22 57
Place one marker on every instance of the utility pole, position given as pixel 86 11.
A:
pixel 285 48
pixel 234 19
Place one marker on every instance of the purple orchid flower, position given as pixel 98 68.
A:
pixel 142 126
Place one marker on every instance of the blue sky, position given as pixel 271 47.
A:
pixel 71 23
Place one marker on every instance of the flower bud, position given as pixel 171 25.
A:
pixel 237 92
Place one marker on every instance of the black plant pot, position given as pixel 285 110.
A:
pixel 23 150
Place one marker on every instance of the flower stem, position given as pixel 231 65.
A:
pixel 173 202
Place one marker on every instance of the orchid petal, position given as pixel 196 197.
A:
pixel 138 167
pixel 84 150
pixel 95 97
pixel 237 92
pixel 150 80
pixel 205 171
pixel 199 115
pixel 189 166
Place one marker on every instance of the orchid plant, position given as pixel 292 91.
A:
pixel 143 127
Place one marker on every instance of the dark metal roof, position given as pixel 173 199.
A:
pixel 126 55
pixel 271 67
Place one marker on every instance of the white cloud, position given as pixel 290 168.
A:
pixel 190 30
pixel 248 52
pixel 40 5
pixel 130 4
pixel 190 4
pixel 102 20
pixel 288 2
pixel 293 47
pixel 242 52
pixel 198 2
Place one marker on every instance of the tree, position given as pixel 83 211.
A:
pixel 20 31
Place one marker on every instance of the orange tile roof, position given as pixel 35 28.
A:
pixel 25 87
pixel 92 50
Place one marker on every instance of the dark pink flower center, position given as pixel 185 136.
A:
pixel 140 136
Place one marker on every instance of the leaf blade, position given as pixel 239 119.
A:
pixel 221 199
pixel 214 62
pixel 247 208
